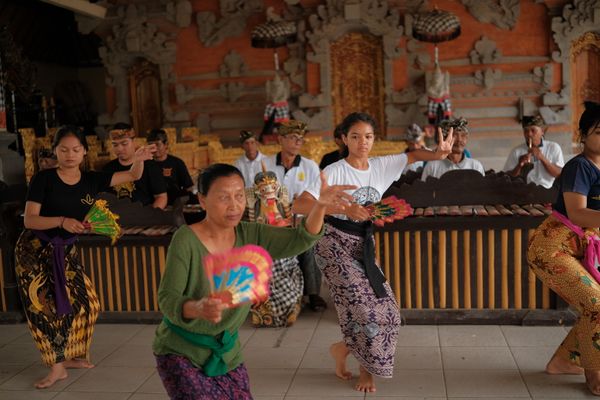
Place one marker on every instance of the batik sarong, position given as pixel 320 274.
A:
pixel 285 301
pixel 184 381
pixel 58 337
pixel 555 255
pixel 369 324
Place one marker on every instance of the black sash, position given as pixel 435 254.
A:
pixel 364 230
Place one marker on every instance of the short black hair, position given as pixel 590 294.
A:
pixel 156 135
pixel 69 130
pixel 212 173
pixel 122 125
pixel 354 118
pixel 590 119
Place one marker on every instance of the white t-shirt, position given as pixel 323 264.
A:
pixel 438 168
pixel 371 183
pixel 413 167
pixel 538 174
pixel 249 168
pixel 304 175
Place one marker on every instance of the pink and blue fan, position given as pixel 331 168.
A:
pixel 240 275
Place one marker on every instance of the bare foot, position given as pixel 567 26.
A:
pixel 339 352
pixel 78 363
pixel 592 380
pixel 560 366
pixel 57 373
pixel 365 382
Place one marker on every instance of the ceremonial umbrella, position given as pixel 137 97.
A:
pixel 273 34
pixel 436 26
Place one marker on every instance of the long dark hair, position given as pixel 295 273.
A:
pixel 212 173
pixel 69 130
pixel 589 120
pixel 354 118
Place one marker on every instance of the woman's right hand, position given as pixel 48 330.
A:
pixel 210 309
pixel 73 226
pixel 356 212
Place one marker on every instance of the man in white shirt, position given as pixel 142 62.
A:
pixel 250 163
pixel 298 174
pixel 456 159
pixel 540 160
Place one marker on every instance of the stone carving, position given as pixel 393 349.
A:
pixel 232 22
pixel 320 120
pixel 502 13
pixel 233 65
pixel 543 75
pixel 485 52
pixel 488 77
pixel 405 96
pixel 231 91
pixel 396 117
pixel 335 18
pixel 180 12
pixel 277 90
pixel 577 18
pixel 132 38
pixel 552 117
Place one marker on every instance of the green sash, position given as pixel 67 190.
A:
pixel 215 365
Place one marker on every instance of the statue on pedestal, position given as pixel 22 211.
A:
pixel 277 111
pixel 439 107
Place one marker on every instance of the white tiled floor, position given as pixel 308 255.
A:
pixel 432 362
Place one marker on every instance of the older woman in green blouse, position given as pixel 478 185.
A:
pixel 197 349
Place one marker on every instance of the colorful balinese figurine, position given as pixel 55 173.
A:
pixel 268 203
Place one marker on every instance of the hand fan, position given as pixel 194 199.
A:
pixel 389 209
pixel 102 221
pixel 240 275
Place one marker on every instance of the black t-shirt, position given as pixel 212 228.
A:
pixel 176 176
pixel 332 157
pixel 581 176
pixel 59 199
pixel 142 190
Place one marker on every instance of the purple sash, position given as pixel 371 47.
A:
pixel 61 299
pixel 591 259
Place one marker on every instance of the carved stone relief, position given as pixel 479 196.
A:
pixel 577 18
pixel 488 77
pixel 234 13
pixel 233 65
pixel 502 13
pixel 180 12
pixel 485 51
pixel 331 21
pixel 543 75
pixel 134 37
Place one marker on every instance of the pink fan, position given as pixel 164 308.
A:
pixel 240 275
pixel 389 209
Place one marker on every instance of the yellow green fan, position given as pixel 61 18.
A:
pixel 102 221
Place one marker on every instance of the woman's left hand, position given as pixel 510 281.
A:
pixel 334 196
pixel 144 153
pixel 444 145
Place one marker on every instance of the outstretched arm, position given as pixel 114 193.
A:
pixel 142 154
pixel 443 149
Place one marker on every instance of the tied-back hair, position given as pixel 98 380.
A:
pixel 69 130
pixel 353 118
pixel 214 172
pixel 589 120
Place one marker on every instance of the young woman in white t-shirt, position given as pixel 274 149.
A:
pixel 367 310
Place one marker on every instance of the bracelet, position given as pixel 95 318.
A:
pixel 62 221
